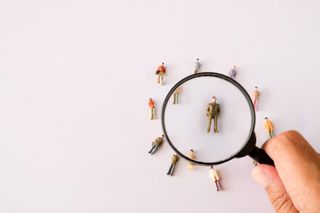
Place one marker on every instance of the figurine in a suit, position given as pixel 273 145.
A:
pixel 156 144
pixel 213 111
pixel 174 160
pixel 197 66
pixel 233 73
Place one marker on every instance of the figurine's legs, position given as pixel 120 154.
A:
pixel 161 78
pixel 272 134
pixel 218 185
pixel 174 98
pixel 255 103
pixel 209 123
pixel 177 98
pixel 155 149
pixel 153 113
pixel 152 149
pixel 172 170
pixel 158 78
pixel 216 125
pixel 169 172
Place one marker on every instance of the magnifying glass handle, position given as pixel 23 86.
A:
pixel 261 156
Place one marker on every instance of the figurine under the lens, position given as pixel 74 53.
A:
pixel 268 125
pixel 233 73
pixel 213 111
pixel 160 72
pixel 174 161
pixel 255 98
pixel 152 109
pixel 213 174
pixel 176 95
pixel 197 66
pixel 192 156
pixel 156 144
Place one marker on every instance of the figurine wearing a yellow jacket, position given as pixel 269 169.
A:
pixel 269 127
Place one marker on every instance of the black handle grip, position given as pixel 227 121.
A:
pixel 261 156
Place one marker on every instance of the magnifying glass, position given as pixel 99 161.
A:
pixel 216 139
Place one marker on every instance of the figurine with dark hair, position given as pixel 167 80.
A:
pixel 215 178
pixel 255 98
pixel 268 125
pixel 174 160
pixel 192 156
pixel 161 70
pixel 152 109
pixel 156 144
pixel 213 111
pixel 197 66
pixel 233 73
pixel 176 95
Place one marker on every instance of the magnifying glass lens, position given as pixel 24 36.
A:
pixel 216 129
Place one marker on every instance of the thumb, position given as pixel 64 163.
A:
pixel 267 176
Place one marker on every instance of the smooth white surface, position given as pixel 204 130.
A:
pixel 75 77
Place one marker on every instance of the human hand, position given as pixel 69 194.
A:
pixel 293 185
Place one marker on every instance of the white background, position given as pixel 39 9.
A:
pixel 75 77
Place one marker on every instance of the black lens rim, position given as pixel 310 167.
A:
pixel 216 75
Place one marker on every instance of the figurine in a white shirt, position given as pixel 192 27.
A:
pixel 215 177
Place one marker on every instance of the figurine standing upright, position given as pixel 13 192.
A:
pixel 174 160
pixel 268 125
pixel 192 156
pixel 160 72
pixel 197 66
pixel 213 174
pixel 176 95
pixel 233 72
pixel 152 109
pixel 255 98
pixel 213 111
pixel 156 144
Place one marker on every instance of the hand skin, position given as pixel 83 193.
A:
pixel 293 185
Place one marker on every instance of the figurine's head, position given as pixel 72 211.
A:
pixel 213 99
pixel 162 135
pixel 163 63
pixel 197 59
pixel 150 99
pixel 191 150
pixel 266 118
pixel 256 87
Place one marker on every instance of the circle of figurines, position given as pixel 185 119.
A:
pixel 212 113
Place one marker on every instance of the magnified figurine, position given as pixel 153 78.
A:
pixel 176 95
pixel 215 178
pixel 161 70
pixel 152 109
pixel 174 160
pixel 192 156
pixel 233 73
pixel 268 125
pixel 156 144
pixel 255 98
pixel 213 111
pixel 197 66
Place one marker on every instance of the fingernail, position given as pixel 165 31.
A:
pixel 260 177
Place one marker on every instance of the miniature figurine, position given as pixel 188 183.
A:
pixel 192 156
pixel 233 73
pixel 197 66
pixel 176 95
pixel 156 144
pixel 255 98
pixel 161 70
pixel 174 160
pixel 215 177
pixel 269 127
pixel 213 112
pixel 152 109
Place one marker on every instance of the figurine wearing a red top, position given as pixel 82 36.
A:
pixel 152 109
pixel 161 70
